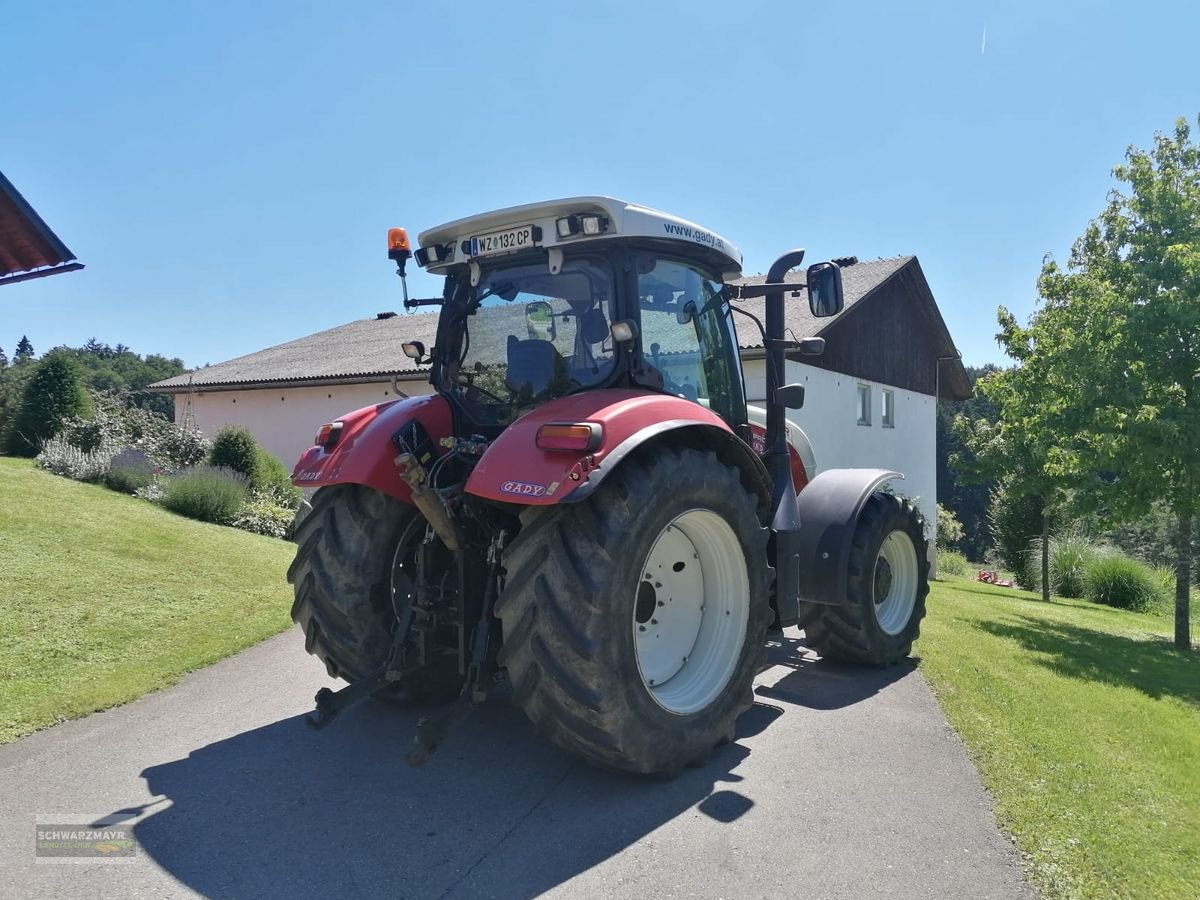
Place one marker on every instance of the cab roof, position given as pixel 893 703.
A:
pixel 622 220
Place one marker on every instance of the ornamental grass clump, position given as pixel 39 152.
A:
pixel 1117 580
pixel 1070 557
pixel 207 493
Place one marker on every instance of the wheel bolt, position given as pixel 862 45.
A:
pixel 654 621
pixel 641 628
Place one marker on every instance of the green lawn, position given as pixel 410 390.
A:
pixel 105 597
pixel 1085 725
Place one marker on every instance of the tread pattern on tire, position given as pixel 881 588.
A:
pixel 849 632
pixel 341 579
pixel 560 612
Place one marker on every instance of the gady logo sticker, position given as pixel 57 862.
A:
pixel 522 489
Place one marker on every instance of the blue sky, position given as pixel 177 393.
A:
pixel 227 171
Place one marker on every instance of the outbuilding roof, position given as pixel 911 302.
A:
pixel 28 248
pixel 369 349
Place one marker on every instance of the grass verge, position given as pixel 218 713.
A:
pixel 1085 725
pixel 105 597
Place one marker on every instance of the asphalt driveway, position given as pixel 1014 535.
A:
pixel 843 783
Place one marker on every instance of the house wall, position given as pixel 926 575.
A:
pixel 829 420
pixel 284 420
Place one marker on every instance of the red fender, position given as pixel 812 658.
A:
pixel 364 451
pixel 514 470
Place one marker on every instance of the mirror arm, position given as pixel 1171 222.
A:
pixel 746 291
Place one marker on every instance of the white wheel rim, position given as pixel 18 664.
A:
pixel 691 609
pixel 894 586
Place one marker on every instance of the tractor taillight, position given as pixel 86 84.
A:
pixel 583 437
pixel 328 435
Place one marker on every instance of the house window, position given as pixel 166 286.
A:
pixel 889 409
pixel 864 404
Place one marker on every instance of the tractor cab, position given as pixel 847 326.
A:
pixel 549 299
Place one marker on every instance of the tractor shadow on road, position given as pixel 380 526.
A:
pixel 822 684
pixel 281 811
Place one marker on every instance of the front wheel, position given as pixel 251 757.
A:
pixel 635 621
pixel 886 588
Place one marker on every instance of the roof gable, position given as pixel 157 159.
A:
pixel 28 248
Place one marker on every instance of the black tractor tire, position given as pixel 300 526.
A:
pixel 574 573
pixel 341 577
pixel 852 632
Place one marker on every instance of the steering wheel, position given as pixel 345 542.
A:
pixel 472 390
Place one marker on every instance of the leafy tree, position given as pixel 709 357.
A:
pixel 119 370
pixel 962 489
pixel 1016 518
pixel 24 351
pixel 949 529
pixel 3 359
pixel 1112 354
pixel 54 394
pixel 1018 445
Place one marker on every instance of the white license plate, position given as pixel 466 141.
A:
pixel 507 241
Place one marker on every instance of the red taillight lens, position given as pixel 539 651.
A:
pixel 584 437
pixel 328 435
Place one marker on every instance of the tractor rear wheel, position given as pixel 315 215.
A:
pixel 886 588
pixel 353 570
pixel 635 621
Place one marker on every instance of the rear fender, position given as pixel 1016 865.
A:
pixel 514 470
pixel 364 451
pixel 828 509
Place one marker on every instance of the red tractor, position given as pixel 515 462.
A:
pixel 585 504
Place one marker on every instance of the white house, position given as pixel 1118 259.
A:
pixel 870 398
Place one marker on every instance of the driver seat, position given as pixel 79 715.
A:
pixel 533 365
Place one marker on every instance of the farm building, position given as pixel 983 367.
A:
pixel 870 397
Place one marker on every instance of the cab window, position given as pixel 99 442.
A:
pixel 686 336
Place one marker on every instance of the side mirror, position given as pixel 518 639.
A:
pixel 790 396
pixel 414 350
pixel 685 315
pixel 825 290
pixel 539 321
pixel 813 346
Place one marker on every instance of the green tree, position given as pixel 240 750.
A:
pixel 3 359
pixel 962 492
pixel 53 394
pixel 1013 452
pixel 24 351
pixel 1112 355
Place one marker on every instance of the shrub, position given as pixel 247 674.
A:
pixel 1016 520
pixel 262 514
pixel 129 472
pixel 1117 580
pixel 207 493
pixel 952 565
pixel 234 447
pixel 949 529
pixel 54 394
pixel 181 446
pixel 273 479
pixel 61 458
